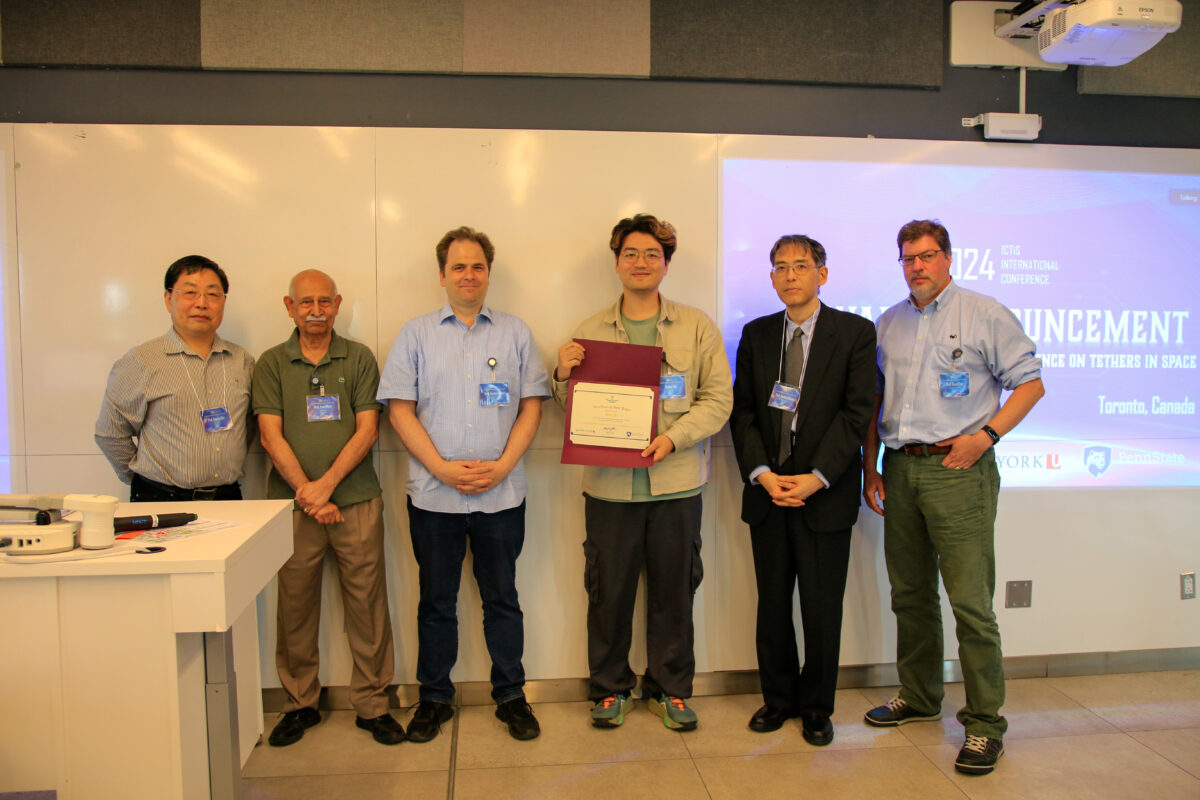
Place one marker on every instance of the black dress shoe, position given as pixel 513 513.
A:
pixel 517 714
pixel 384 728
pixel 817 732
pixel 769 718
pixel 291 728
pixel 427 721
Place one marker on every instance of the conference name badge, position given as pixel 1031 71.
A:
pixel 216 419
pixel 784 397
pixel 955 384
pixel 671 387
pixel 323 407
pixel 493 393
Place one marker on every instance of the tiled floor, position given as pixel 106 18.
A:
pixel 1108 736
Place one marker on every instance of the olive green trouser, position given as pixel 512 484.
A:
pixel 939 519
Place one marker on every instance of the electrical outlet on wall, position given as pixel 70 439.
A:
pixel 1018 594
pixel 1187 586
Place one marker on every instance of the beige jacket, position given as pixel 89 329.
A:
pixel 691 345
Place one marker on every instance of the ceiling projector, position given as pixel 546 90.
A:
pixel 1106 33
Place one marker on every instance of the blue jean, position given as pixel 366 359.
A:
pixel 440 544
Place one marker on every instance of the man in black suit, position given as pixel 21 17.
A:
pixel 802 401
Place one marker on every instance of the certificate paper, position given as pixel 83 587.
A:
pixel 611 415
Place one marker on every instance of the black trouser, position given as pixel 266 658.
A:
pixel 144 490
pixel 787 553
pixel 664 537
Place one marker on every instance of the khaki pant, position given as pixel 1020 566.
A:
pixel 357 546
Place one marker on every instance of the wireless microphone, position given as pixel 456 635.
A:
pixel 149 521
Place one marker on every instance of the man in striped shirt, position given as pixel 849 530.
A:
pixel 173 421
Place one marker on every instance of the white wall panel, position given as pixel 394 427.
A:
pixel 12 440
pixel 548 200
pixel 102 210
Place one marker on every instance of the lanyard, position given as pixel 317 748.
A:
pixel 224 384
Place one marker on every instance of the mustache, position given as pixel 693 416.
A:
pixel 315 318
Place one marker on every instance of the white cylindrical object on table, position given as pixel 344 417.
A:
pixel 96 531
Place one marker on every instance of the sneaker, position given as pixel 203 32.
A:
pixel 291 728
pixel 517 714
pixel 674 712
pixel 610 712
pixel 979 755
pixel 427 721
pixel 896 712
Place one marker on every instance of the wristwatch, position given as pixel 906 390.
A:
pixel 995 437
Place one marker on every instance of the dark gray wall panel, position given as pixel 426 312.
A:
pixel 869 42
pixel 1171 69
pixel 268 98
pixel 129 33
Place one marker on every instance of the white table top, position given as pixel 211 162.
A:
pixel 217 551
pixel 212 576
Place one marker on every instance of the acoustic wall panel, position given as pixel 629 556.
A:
pixel 333 35
pixel 548 37
pixel 131 33
pixel 873 42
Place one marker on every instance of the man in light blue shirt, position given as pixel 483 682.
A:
pixel 464 387
pixel 945 355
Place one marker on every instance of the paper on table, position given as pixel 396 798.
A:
pixel 612 415
pixel 177 532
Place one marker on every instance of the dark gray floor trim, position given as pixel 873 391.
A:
pixel 746 681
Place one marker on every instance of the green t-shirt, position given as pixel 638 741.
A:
pixel 645 332
pixel 283 381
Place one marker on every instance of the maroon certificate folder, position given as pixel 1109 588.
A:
pixel 620 364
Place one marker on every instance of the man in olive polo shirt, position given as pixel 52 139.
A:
pixel 315 400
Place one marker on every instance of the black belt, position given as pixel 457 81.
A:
pixel 176 492
pixel 918 449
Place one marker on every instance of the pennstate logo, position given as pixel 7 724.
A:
pixel 1097 458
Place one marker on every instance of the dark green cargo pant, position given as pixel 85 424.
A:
pixel 940 519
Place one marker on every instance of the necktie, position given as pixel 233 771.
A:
pixel 793 369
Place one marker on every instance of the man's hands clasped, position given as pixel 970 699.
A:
pixel 790 491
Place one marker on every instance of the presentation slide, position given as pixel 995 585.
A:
pixel 1098 266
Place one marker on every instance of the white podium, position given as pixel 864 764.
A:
pixel 117 673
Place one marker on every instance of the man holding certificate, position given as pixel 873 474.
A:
pixel 644 516
pixel 464 387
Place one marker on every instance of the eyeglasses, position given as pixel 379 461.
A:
pixel 652 257
pixel 926 258
pixel 192 295
pixel 786 269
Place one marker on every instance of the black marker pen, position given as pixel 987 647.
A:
pixel 149 521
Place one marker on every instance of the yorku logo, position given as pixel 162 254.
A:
pixel 1097 458
pixel 1025 461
